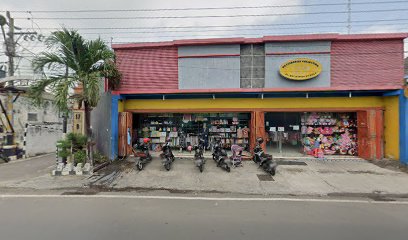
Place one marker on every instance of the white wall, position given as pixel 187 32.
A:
pixel 43 132
pixel 42 140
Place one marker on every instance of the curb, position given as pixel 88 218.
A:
pixel 30 158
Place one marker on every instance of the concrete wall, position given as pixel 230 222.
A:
pixel 199 69
pixel 295 47
pixel 101 124
pixel 208 50
pixel 42 139
pixel 274 60
pixel 44 131
pixel 205 71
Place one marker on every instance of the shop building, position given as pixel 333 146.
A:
pixel 345 91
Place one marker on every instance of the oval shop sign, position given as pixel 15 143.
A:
pixel 300 69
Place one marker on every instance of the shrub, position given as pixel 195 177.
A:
pixel 78 140
pixel 99 157
pixel 64 148
pixel 75 141
pixel 80 156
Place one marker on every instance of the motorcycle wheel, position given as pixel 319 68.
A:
pixel 139 166
pixel 273 171
pixel 227 168
pixel 167 166
pixel 201 167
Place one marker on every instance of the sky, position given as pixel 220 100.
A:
pixel 164 20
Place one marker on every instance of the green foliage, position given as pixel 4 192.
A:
pixel 64 147
pixel 64 143
pixel 78 140
pixel 83 62
pixel 80 156
pixel 64 152
pixel 99 157
pixel 74 140
pixel 112 73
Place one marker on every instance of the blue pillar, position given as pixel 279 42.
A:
pixel 403 113
pixel 114 127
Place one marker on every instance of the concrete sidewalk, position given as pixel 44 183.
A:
pixel 294 177
pixel 307 177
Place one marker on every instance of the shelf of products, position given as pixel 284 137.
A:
pixel 184 129
pixel 336 132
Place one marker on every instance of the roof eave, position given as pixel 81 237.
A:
pixel 282 38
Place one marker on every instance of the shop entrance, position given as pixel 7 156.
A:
pixel 294 134
pixel 283 133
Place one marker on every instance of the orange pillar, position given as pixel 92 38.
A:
pixel 370 134
pixel 257 128
pixel 125 123
pixel 379 134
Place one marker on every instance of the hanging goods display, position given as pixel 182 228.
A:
pixel 336 132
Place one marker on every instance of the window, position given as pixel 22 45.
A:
pixel 32 117
pixel 252 66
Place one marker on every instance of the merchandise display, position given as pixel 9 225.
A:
pixel 184 129
pixel 336 133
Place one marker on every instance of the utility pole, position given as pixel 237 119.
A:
pixel 9 147
pixel 11 53
pixel 348 16
pixel 10 46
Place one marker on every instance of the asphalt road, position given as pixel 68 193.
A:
pixel 26 168
pixel 123 218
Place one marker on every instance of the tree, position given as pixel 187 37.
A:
pixel 70 62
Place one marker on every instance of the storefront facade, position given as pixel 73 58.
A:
pixel 345 91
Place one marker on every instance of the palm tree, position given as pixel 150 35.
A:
pixel 73 62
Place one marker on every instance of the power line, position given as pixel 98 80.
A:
pixel 166 38
pixel 233 26
pixel 204 8
pixel 249 29
pixel 177 37
pixel 213 16
pixel 28 50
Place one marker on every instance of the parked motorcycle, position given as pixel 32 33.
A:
pixel 167 155
pixel 144 155
pixel 199 154
pixel 220 155
pixel 3 156
pixel 264 160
